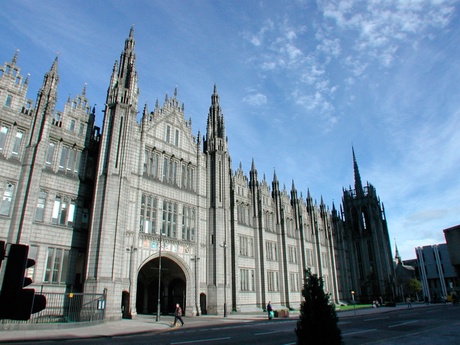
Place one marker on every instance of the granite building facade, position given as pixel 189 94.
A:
pixel 154 215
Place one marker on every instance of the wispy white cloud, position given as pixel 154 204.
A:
pixel 256 99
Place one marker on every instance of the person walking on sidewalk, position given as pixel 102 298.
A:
pixel 409 302
pixel 270 310
pixel 178 315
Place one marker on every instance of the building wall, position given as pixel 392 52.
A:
pixel 437 274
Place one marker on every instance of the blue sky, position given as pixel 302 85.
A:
pixel 300 83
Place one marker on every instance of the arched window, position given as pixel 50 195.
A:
pixel 9 99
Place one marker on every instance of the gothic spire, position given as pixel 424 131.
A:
pixel 50 81
pixel 397 256
pixel 358 184
pixel 46 102
pixel 123 83
pixel 15 57
pixel 275 183
pixel 216 136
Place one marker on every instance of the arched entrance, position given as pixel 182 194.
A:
pixel 172 290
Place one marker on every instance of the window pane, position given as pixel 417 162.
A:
pixel 64 155
pixel 17 143
pixel 3 133
pixel 56 266
pixel 39 212
pixel 49 263
pixel 7 199
pixel 71 213
pixel 64 267
pixel 50 154
pixel 56 208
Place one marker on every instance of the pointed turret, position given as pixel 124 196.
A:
pixel 358 184
pixel 46 102
pixel 397 256
pixel 322 208
pixel 293 194
pixel 15 57
pixel 253 183
pixel 309 201
pixel 275 184
pixel 123 85
pixel 216 137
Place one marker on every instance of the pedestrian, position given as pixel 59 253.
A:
pixel 178 315
pixel 409 302
pixel 270 310
pixel 426 300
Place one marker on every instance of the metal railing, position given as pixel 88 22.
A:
pixel 67 308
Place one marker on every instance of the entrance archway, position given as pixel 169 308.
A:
pixel 172 290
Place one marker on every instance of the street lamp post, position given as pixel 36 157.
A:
pixel 224 245
pixel 131 251
pixel 159 282
pixel 353 300
pixel 195 259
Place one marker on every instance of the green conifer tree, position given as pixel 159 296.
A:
pixel 317 323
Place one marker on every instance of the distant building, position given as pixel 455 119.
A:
pixel 437 274
pixel 365 239
pixel 404 272
pixel 452 236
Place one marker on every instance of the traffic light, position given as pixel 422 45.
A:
pixel 2 251
pixel 17 303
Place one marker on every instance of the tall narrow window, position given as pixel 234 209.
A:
pixel 64 157
pixel 188 224
pixel 17 143
pixel 71 213
pixel 156 158
pixel 33 250
pixel 165 169
pixel 184 176
pixel 50 154
pixel 76 166
pixel 190 178
pixel 3 133
pixel 7 199
pixel 40 210
pixel 176 138
pixel 71 160
pixel 148 214
pixel 63 212
pixel 168 134
pixel 72 125
pixel 9 99
pixel 147 159
pixel 169 226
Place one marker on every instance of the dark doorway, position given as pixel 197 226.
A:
pixel 203 304
pixel 172 287
pixel 125 305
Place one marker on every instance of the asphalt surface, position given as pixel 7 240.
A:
pixel 147 323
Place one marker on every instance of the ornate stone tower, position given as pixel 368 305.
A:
pixel 367 241
pixel 34 154
pixel 111 197
pixel 218 190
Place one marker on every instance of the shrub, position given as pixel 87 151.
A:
pixel 317 323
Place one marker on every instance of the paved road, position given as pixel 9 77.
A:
pixel 411 326
pixel 439 324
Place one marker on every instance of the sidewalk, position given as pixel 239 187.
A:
pixel 146 323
